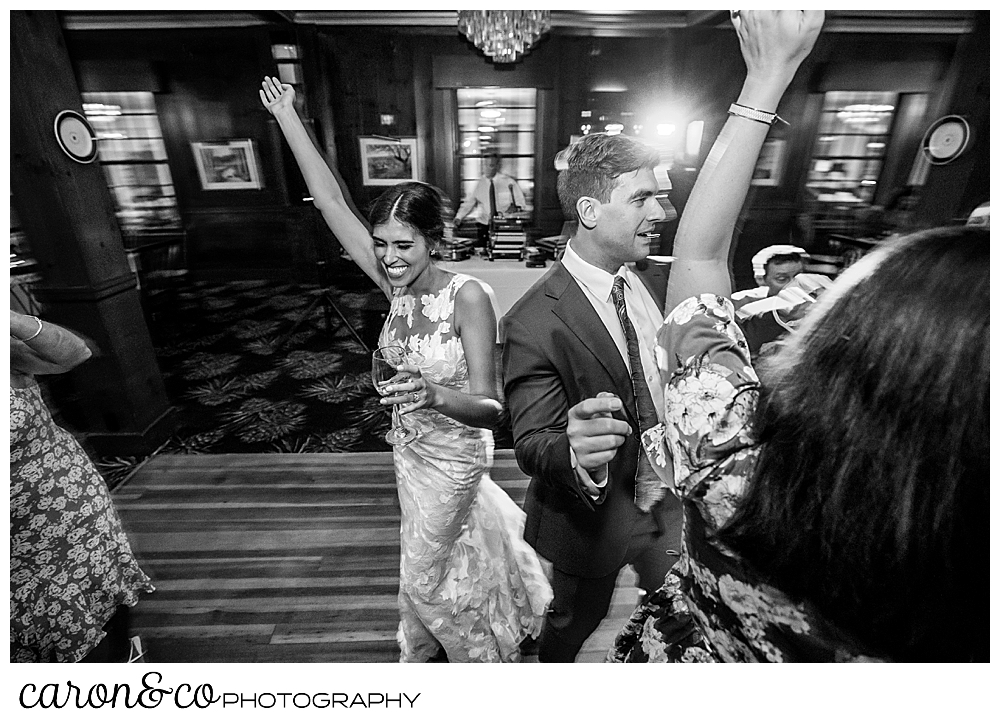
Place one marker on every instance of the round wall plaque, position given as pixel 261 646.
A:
pixel 75 136
pixel 946 139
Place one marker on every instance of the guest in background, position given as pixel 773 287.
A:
pixel 773 268
pixel 838 509
pixel 765 323
pixel 494 193
pixel 73 576
pixel 471 590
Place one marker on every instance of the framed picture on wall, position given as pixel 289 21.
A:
pixel 388 161
pixel 767 172
pixel 227 165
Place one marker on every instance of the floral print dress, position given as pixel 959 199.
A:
pixel 71 565
pixel 469 584
pixel 713 607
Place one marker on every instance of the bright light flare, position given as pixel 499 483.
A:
pixel 695 131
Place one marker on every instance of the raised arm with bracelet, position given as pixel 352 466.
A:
pixel 773 43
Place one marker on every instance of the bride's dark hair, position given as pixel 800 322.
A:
pixel 870 497
pixel 420 206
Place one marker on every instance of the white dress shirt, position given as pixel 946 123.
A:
pixel 642 310
pixel 478 202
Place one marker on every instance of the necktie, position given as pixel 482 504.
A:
pixel 647 485
pixel 493 200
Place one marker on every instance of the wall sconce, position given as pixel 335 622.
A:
pixel 288 60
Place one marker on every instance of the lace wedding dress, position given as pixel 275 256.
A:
pixel 469 584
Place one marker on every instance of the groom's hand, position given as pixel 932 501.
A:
pixel 594 435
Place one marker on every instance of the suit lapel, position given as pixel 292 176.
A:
pixel 574 309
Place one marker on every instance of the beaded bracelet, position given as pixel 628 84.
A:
pixel 761 116
pixel 37 331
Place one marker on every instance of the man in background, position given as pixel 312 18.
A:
pixel 773 269
pixel 494 193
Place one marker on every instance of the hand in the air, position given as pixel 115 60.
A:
pixel 275 95
pixel 775 42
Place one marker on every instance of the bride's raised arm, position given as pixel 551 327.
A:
pixel 328 196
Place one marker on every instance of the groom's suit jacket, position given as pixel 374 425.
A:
pixel 556 353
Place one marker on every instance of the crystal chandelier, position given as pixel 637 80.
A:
pixel 504 35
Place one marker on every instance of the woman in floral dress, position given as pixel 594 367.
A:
pixel 470 588
pixel 72 572
pixel 837 508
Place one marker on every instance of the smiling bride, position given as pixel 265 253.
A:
pixel 471 589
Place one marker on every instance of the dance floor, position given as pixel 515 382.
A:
pixel 264 546
pixel 282 557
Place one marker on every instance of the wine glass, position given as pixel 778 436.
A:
pixel 384 362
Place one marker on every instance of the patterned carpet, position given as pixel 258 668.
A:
pixel 242 391
pixel 239 390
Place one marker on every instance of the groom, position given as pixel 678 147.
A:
pixel 581 384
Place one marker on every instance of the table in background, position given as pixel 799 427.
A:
pixel 508 278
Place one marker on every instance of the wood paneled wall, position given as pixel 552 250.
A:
pixel 206 84
pixel 66 213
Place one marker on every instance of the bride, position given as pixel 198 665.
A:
pixel 470 588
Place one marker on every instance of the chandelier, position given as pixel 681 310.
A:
pixel 504 35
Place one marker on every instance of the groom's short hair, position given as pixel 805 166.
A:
pixel 594 164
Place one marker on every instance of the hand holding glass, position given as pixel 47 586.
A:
pixel 385 361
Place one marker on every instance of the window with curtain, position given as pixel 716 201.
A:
pixel 286 57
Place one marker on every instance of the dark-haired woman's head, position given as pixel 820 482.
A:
pixel 420 206
pixel 409 217
pixel 870 496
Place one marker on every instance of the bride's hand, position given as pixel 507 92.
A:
pixel 414 393
pixel 275 95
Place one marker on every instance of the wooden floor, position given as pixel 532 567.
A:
pixel 282 557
